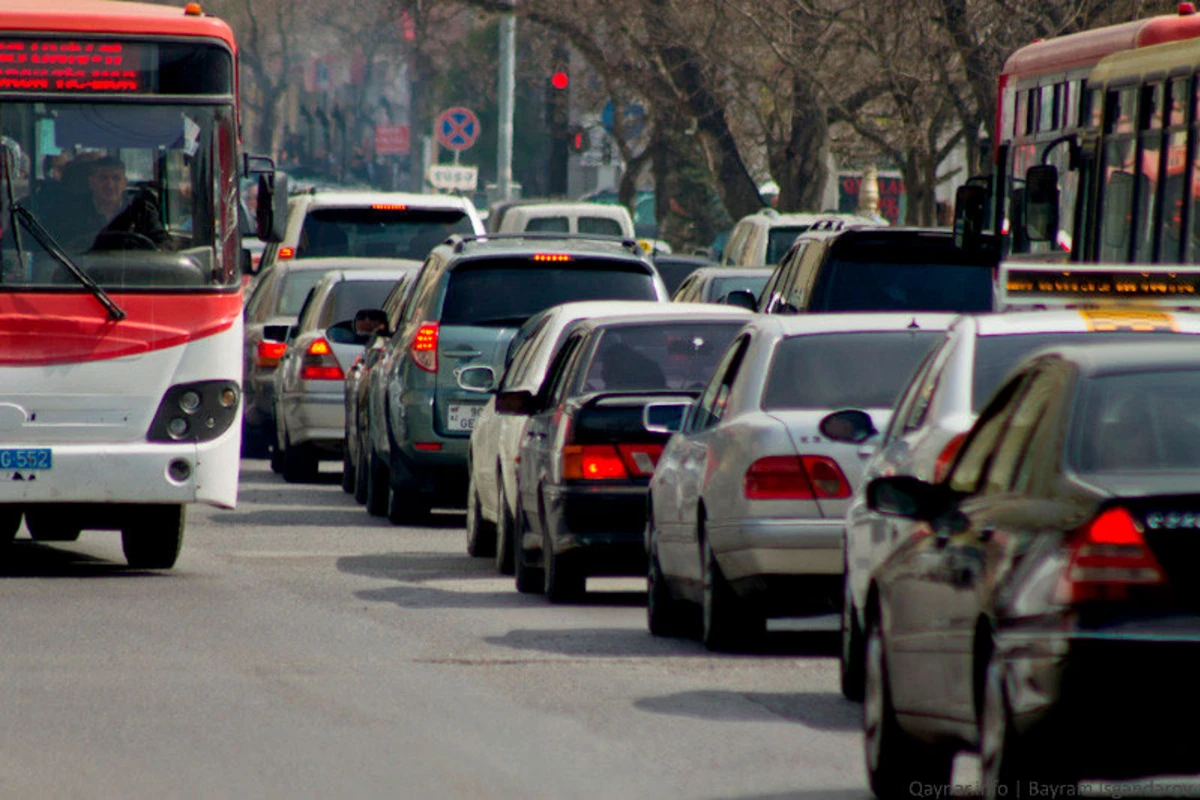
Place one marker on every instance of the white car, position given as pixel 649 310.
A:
pixel 764 237
pixel 496 438
pixel 371 225
pixel 591 219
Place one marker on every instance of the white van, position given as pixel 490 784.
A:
pixel 594 219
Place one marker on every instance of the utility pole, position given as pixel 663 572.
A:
pixel 508 68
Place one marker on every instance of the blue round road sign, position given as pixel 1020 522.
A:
pixel 457 128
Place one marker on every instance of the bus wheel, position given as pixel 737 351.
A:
pixel 52 525
pixel 10 523
pixel 153 537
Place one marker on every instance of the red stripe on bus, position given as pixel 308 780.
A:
pixel 42 329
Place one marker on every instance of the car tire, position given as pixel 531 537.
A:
pixel 563 581
pixel 153 539
pixel 407 507
pixel 362 475
pixel 52 525
pixel 664 614
pixel 851 656
pixel 10 523
pixel 529 579
pixel 481 534
pixel 727 625
pixel 507 534
pixel 377 487
pixel 895 760
pixel 300 463
pixel 348 471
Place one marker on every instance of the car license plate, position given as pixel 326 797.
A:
pixel 25 458
pixel 462 418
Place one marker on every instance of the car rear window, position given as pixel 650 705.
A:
pixel 548 225
pixel 723 286
pixel 996 356
pixel 600 226
pixel 665 355
pixel 508 292
pixel 350 297
pixel 378 233
pixel 844 370
pixel 780 239
pixel 296 286
pixel 1137 422
pixel 901 274
pixel 674 273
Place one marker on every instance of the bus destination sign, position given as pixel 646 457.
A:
pixel 1105 284
pixel 74 65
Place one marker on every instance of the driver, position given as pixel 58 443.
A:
pixel 103 219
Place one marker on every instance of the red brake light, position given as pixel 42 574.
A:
pixel 424 347
pixel 827 479
pixel 592 462
pixel 551 257
pixel 945 459
pixel 777 478
pixel 640 459
pixel 389 207
pixel 320 364
pixel 1109 555
pixel 267 354
pixel 287 252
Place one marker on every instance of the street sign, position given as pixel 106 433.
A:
pixel 391 140
pixel 453 178
pixel 634 119
pixel 457 128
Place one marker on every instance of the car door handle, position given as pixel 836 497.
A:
pixel 462 354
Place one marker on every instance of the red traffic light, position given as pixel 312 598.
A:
pixel 559 80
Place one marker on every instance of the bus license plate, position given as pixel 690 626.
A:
pixel 462 418
pixel 25 458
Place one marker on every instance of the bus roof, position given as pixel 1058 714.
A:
pixel 108 16
pixel 1087 47
pixel 1151 59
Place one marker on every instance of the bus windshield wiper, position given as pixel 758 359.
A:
pixel 51 246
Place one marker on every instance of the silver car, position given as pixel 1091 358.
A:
pixel 310 416
pixel 936 410
pixel 748 499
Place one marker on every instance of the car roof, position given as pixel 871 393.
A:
pixel 774 219
pixel 341 276
pixel 879 231
pixel 1002 323
pixel 851 322
pixel 570 208
pixel 733 272
pixel 346 263
pixel 1125 357
pixel 492 245
pixel 669 312
pixel 343 199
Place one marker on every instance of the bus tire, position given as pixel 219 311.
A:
pixel 52 525
pixel 10 523
pixel 153 537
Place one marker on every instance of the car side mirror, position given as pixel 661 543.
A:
pixel 276 333
pixel 521 404
pixel 907 497
pixel 345 333
pixel 665 417
pixel 970 212
pixel 480 379
pixel 741 298
pixel 851 426
pixel 1041 203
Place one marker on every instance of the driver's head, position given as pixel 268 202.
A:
pixel 107 182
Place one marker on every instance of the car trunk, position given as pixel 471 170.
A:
pixel 459 346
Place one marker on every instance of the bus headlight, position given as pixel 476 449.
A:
pixel 213 404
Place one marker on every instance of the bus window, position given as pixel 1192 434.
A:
pixel 1047 116
pixel 1177 103
pixel 1022 125
pixel 1118 116
pixel 1172 210
pixel 1095 108
pixel 1148 171
pixel 1117 200
pixel 1031 113
pixel 1150 116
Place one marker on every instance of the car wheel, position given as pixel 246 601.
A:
pixel 530 579
pixel 507 534
pixel 154 537
pixel 10 523
pixel 407 507
pixel 51 525
pixel 362 472
pixel 347 471
pixel 300 463
pixel 851 662
pixel 564 582
pixel 377 487
pixel 895 761
pixel 664 614
pixel 481 534
pixel 727 625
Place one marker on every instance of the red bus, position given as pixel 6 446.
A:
pixel 1044 114
pixel 120 270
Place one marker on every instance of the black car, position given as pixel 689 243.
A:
pixel 864 268
pixel 1046 611
pixel 587 456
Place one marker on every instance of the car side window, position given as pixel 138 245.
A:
pixel 556 375
pixel 976 456
pixel 797 293
pixel 1018 433
pixel 734 245
pixel 711 407
pixel 924 398
pixel 904 406
pixel 264 289
pixel 781 280
pixel 518 368
pixel 306 320
pixel 1033 470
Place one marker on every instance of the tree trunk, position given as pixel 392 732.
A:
pixel 800 167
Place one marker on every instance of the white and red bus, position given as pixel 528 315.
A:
pixel 120 271
pixel 1046 114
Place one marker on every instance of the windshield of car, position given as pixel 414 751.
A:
pixel 296 286
pixel 779 240
pixel 665 355
pixel 902 274
pixel 844 370
pixel 1137 422
pixel 377 232
pixel 996 356
pixel 507 292
pixel 600 226
pixel 723 286
pixel 350 297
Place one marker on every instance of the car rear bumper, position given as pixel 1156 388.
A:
pixel 1117 700
pixel 317 418
pixel 757 547
pixel 601 528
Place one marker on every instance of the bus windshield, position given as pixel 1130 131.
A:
pixel 127 191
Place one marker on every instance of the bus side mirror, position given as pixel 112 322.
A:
pixel 271 213
pixel 970 209
pixel 1041 203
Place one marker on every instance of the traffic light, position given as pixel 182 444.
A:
pixel 580 140
pixel 558 124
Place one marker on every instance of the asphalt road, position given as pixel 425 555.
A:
pixel 301 648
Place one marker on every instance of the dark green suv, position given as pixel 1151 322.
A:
pixel 470 297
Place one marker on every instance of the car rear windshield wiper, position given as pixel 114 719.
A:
pixel 51 246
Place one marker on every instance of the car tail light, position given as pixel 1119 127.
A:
pixel 320 364
pixel 424 347
pixel 267 354
pixel 795 478
pixel 1109 554
pixel 287 252
pixel 592 462
pixel 640 459
pixel 551 257
pixel 945 459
